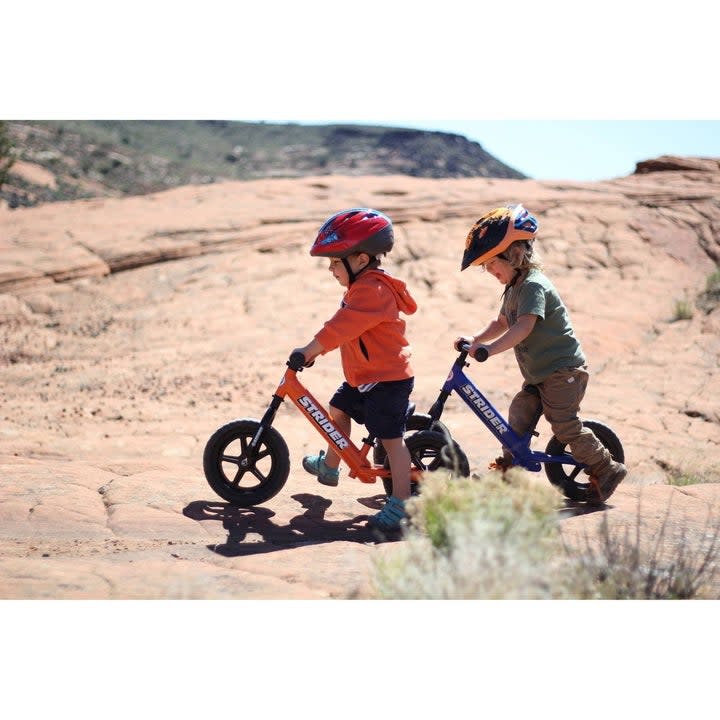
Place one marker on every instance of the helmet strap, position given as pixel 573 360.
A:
pixel 352 277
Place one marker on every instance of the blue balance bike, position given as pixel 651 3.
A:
pixel 563 471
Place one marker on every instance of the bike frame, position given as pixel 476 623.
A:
pixel 458 382
pixel 355 458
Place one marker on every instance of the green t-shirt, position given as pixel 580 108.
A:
pixel 552 344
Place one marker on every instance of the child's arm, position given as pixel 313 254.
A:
pixel 494 329
pixel 311 350
pixel 516 334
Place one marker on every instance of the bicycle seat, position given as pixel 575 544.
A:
pixel 411 410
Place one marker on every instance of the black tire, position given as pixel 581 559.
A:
pixel 417 421
pixel 431 450
pixel 565 477
pixel 239 475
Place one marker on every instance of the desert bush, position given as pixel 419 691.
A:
pixel 498 537
pixel 7 155
pixel 686 478
pixel 621 564
pixel 691 472
pixel 683 310
pixel 712 284
pixel 489 538
pixel 709 299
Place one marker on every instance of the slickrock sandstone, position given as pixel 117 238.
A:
pixel 133 328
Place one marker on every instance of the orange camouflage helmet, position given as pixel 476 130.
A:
pixel 495 232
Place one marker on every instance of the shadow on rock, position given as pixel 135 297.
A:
pixel 309 527
pixel 573 509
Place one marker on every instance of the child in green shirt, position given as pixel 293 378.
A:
pixel 534 321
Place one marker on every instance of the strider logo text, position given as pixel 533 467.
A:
pixel 484 408
pixel 320 418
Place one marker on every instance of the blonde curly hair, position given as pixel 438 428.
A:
pixel 522 255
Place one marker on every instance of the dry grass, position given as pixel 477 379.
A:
pixel 474 538
pixel 625 563
pixel 690 471
pixel 499 538
pixel 684 310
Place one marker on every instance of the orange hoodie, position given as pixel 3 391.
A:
pixel 368 330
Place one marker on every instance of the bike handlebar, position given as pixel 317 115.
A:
pixel 481 354
pixel 296 361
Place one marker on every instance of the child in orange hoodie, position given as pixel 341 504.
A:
pixel 374 351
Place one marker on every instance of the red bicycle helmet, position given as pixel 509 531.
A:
pixel 495 232
pixel 354 231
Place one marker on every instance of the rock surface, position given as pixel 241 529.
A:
pixel 133 328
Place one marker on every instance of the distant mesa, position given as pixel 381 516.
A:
pixel 73 160
pixel 669 163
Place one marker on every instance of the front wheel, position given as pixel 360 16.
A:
pixel 564 477
pixel 431 450
pixel 240 473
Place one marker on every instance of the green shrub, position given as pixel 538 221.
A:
pixel 7 156
pixel 708 300
pixel 621 564
pixel 500 537
pixel 691 472
pixel 712 283
pixel 471 538
pixel 682 479
pixel 683 310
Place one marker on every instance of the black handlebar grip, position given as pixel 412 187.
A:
pixel 481 354
pixel 296 360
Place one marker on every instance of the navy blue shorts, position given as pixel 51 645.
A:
pixel 382 409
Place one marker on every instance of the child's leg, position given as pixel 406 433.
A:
pixel 343 422
pixel 399 458
pixel 325 465
pixel 386 411
pixel 525 410
pixel 561 394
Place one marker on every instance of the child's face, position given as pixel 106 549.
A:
pixel 337 268
pixel 339 272
pixel 501 269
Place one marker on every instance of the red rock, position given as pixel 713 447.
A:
pixel 113 383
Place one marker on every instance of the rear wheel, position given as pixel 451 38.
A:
pixel 571 480
pixel 240 473
pixel 431 450
pixel 416 422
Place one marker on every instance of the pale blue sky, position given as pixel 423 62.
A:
pixel 557 92
pixel 584 149
pixel 576 149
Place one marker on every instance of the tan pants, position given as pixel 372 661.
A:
pixel 558 397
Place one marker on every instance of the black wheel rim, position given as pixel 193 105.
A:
pixel 433 455
pixel 239 466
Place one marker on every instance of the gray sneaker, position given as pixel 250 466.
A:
pixel 315 465
pixel 390 518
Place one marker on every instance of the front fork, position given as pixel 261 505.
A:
pixel 438 406
pixel 269 416
pixel 295 364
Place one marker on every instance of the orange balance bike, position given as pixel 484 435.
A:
pixel 247 462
